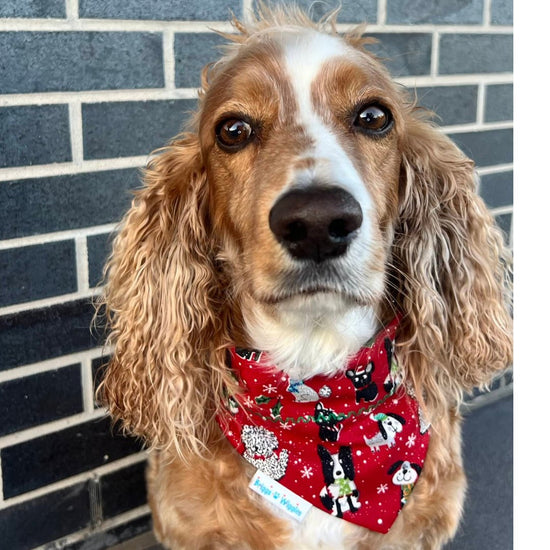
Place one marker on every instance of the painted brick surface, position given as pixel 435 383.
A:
pixel 502 12
pixel 475 53
pixel 487 148
pixel 192 53
pixel 499 102
pixel 167 10
pixel 60 203
pixel 32 8
pixel 451 104
pixel 31 523
pixel 40 398
pixel 99 247
pixel 34 134
pixel 125 129
pixel 459 12
pixel 123 490
pixel 405 54
pixel 65 61
pixel 88 88
pixel 44 333
pixel 351 11
pixel 36 272
pixel 38 462
pixel 497 189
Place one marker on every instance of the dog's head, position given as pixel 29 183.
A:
pixel 338 465
pixel 404 472
pixel 309 184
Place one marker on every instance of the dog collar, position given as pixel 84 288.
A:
pixel 352 445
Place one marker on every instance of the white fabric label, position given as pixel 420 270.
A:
pixel 278 495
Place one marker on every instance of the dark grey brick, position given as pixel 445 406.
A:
pixel 488 147
pixel 452 104
pixel 351 11
pixel 405 54
pixel 43 397
pixel 131 128
pixel 167 10
pixel 34 135
pixel 499 102
pixel 32 8
pixel 497 189
pixel 502 12
pixel 192 52
pixel 460 12
pixel 43 205
pixel 99 247
pixel 475 53
pixel 45 333
pixel 61 61
pixel 44 519
pixel 123 490
pixel 36 272
pixel 50 458
pixel 504 221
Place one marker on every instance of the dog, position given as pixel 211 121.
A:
pixel 309 203
pixel 361 378
pixel 389 425
pixel 340 493
pixel 405 474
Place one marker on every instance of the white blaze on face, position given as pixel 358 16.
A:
pixel 305 55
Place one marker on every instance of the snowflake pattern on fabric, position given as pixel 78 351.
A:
pixel 338 442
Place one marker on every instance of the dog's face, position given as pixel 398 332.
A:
pixel 392 425
pixel 406 474
pixel 299 134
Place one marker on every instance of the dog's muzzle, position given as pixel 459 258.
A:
pixel 316 223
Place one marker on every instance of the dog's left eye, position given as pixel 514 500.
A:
pixel 233 134
pixel 373 119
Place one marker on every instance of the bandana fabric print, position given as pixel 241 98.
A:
pixel 353 445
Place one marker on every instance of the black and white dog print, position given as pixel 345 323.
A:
pixel 361 378
pixel 340 493
pixel 260 445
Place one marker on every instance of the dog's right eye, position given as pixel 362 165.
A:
pixel 233 134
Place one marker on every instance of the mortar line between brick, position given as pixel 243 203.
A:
pixel 87 385
pixel 97 96
pixel 169 60
pixel 248 10
pixel 482 90
pixel 71 7
pixel 133 25
pixel 75 125
pixel 487 14
pixel 434 68
pixel 78 478
pixel 81 249
pixel 49 428
pixel 57 236
pixel 382 12
pixel 70 168
pixel 48 302
pixel 54 364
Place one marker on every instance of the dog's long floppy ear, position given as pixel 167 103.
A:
pixel 160 307
pixel 450 268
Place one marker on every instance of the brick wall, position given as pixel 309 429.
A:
pixel 87 89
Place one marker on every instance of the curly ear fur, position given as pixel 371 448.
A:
pixel 451 271
pixel 163 311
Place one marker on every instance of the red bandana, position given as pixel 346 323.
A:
pixel 353 444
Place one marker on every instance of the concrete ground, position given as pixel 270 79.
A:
pixel 488 457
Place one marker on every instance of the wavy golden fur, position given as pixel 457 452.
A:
pixel 182 279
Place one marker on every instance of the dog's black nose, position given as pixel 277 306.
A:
pixel 316 223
